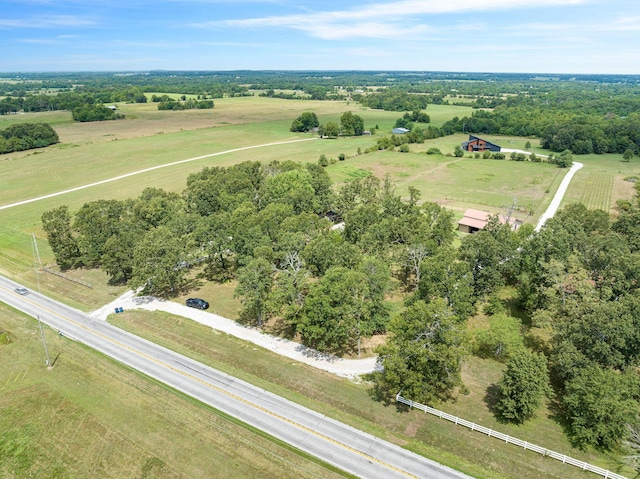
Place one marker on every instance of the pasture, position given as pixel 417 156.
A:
pixel 148 138
pixel 155 434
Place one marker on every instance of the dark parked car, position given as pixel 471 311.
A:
pixel 197 303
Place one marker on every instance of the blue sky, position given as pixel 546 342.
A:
pixel 551 36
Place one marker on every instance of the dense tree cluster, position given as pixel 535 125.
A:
pixel 94 113
pixel 305 122
pixel 558 129
pixel 190 104
pixel 25 136
pixel 409 119
pixel 69 100
pixel 263 225
pixel 578 280
pixel 395 100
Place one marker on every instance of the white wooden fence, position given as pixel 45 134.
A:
pixel 511 440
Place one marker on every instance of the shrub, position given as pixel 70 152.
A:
pixel 523 386
pixel 434 151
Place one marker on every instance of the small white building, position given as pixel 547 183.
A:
pixel 400 131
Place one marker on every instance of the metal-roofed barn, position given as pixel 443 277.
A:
pixel 476 143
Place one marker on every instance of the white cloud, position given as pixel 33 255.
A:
pixel 338 31
pixel 393 10
pixel 392 20
pixel 627 24
pixel 53 21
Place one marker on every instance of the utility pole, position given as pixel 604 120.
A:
pixel 46 351
pixel 35 245
pixel 36 254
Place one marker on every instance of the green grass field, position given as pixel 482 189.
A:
pixel 90 416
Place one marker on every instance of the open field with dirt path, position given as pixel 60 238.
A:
pixel 148 138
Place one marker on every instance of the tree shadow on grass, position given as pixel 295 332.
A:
pixel 379 393
pixel 490 399
pixel 282 328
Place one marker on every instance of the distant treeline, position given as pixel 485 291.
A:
pixel 394 100
pixel 26 136
pixel 69 100
pixel 582 113
pixel 558 130
pixel 165 102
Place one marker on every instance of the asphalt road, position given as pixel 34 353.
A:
pixel 352 450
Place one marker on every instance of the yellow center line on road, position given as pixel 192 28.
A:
pixel 223 391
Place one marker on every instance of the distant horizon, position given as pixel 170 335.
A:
pixel 551 37
pixel 277 70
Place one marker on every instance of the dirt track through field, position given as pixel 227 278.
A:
pixel 146 170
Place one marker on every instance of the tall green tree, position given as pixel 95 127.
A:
pixel 351 124
pixel 565 159
pixel 329 249
pixel 502 341
pixel 95 223
pixel 255 283
pixel 606 332
pixel 57 225
pixel 423 355
pixel 329 129
pixel 292 187
pixel 305 122
pixel 627 155
pixel 214 238
pixel 444 276
pixel 598 404
pixel 290 288
pixel 486 253
pixel 523 386
pixel 338 311
pixel 160 263
pixel 117 256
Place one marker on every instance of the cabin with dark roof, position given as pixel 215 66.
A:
pixel 478 144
